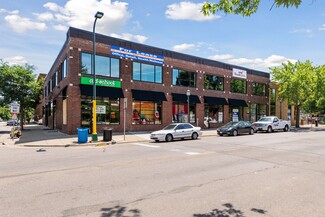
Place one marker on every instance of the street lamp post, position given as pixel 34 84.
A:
pixel 188 93
pixel 280 108
pixel 98 15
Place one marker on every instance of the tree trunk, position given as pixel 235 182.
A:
pixel 297 116
pixel 21 117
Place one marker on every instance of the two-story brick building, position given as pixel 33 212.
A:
pixel 149 85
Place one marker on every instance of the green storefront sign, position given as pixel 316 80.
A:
pixel 100 82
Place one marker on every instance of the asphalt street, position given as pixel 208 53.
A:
pixel 278 174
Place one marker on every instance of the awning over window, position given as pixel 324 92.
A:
pixel 146 95
pixel 215 100
pixel 237 102
pixel 110 92
pixel 183 98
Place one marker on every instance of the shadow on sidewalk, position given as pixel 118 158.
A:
pixel 38 133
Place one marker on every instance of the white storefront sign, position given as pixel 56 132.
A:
pixel 101 109
pixel 239 73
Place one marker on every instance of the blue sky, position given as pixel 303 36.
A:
pixel 34 31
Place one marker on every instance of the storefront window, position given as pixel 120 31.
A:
pixel 107 111
pixel 213 113
pixel 238 86
pixel 105 66
pixel 180 113
pixel 213 82
pixel 258 89
pixel 184 78
pixel 146 112
pixel 255 112
pixel 236 113
pixel 146 72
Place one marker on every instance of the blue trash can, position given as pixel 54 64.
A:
pixel 82 135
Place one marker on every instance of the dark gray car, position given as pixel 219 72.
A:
pixel 236 128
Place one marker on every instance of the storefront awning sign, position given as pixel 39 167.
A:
pixel 100 82
pixel 239 73
pixel 136 55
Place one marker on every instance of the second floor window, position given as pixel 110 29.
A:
pixel 258 89
pixel 104 66
pixel 213 82
pixel 146 72
pixel 238 86
pixel 184 78
pixel 64 69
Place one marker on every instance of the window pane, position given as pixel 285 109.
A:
pixel 136 71
pixel 175 77
pixel 213 82
pixel 238 86
pixel 85 64
pixel 115 68
pixel 102 65
pixel 147 72
pixel 158 74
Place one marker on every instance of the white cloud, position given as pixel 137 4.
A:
pixel 53 6
pixel 60 27
pixel 2 10
pixel 130 37
pixel 16 60
pixel 256 63
pixel 322 28
pixel 307 32
pixel 183 47
pixel 187 11
pixel 21 24
pixel 44 16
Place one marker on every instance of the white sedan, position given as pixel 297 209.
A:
pixel 176 131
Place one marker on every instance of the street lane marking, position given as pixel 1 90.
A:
pixel 149 146
pixel 192 153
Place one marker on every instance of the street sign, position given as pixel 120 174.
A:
pixel 14 108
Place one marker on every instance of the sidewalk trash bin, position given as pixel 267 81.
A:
pixel 82 135
pixel 107 134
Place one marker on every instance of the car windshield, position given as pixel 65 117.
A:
pixel 230 124
pixel 169 127
pixel 265 120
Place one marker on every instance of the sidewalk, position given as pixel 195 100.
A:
pixel 39 136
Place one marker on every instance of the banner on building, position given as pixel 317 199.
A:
pixel 239 73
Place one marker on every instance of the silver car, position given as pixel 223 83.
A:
pixel 176 131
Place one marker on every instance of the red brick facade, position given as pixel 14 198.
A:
pixel 80 41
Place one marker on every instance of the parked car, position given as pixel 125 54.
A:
pixel 176 131
pixel 235 128
pixel 270 124
pixel 11 122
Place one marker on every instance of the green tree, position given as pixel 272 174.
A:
pixel 243 7
pixel 5 112
pixel 18 83
pixel 296 84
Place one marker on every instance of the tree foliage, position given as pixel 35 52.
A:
pixel 243 7
pixel 18 84
pixel 302 84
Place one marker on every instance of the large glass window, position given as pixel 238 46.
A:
pixel 236 113
pixel 238 86
pixel 272 101
pixel 146 72
pixel 184 78
pixel 105 66
pixel 64 69
pixel 146 112
pixel 107 111
pixel 213 114
pixel 181 111
pixel 258 89
pixel 213 82
pixel 255 112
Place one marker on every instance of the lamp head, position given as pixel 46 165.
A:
pixel 99 15
pixel 188 92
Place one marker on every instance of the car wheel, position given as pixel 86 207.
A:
pixel 286 128
pixel 169 138
pixel 156 140
pixel 220 134
pixel 269 129
pixel 194 136
pixel 235 133
pixel 251 132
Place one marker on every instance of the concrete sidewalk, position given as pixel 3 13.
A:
pixel 39 136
